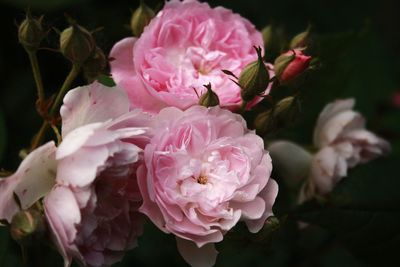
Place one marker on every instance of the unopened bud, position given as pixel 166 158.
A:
pixel 300 40
pixel 30 33
pixel 254 78
pixel 290 65
pixel 95 65
pixel 277 118
pixel 76 43
pixel 141 18
pixel 25 224
pixel 209 98
pixel 274 40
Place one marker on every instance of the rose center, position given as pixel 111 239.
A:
pixel 202 179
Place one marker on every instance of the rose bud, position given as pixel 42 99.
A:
pixel 77 43
pixel 301 39
pixel 95 65
pixel 273 41
pixel 290 65
pixel 209 98
pixel 25 224
pixel 282 114
pixel 141 18
pixel 30 33
pixel 254 78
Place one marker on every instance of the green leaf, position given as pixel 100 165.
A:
pixel 106 80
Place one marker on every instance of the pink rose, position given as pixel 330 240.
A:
pixel 203 172
pixel 93 209
pixel 291 64
pixel 33 180
pixel 344 142
pixel 184 47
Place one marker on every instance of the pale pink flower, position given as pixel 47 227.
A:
pixel 93 209
pixel 344 142
pixel 33 180
pixel 203 172
pixel 186 46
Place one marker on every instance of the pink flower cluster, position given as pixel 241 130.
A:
pixel 194 171
pixel 148 149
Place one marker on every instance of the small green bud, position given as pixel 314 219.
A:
pixel 95 65
pixel 209 98
pixel 277 118
pixel 263 122
pixel 77 43
pixel 25 224
pixel 30 33
pixel 301 39
pixel 274 41
pixel 141 18
pixel 254 78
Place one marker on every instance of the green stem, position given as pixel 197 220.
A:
pixel 243 106
pixel 39 136
pixel 54 108
pixel 64 88
pixel 36 74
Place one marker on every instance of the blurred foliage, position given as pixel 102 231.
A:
pixel 357 44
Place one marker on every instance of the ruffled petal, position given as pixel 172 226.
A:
pixel 34 179
pixel 90 104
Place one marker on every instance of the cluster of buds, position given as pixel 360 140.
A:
pixel 141 17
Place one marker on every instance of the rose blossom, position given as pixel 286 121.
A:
pixel 203 172
pixel 183 48
pixel 343 142
pixel 291 64
pixel 92 211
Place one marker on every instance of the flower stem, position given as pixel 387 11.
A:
pixel 39 136
pixel 36 74
pixel 64 88
pixel 54 108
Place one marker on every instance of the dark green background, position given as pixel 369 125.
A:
pixel 357 43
